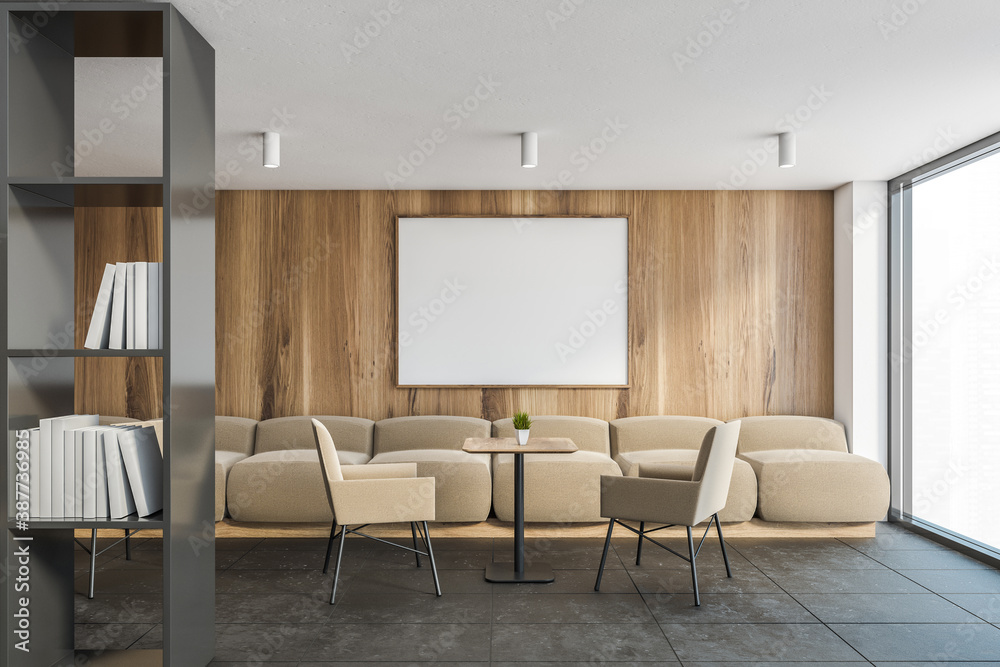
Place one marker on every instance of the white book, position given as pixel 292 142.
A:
pixel 99 333
pixel 43 478
pixel 93 478
pixel 57 427
pixel 130 306
pixel 100 475
pixel 120 500
pixel 159 301
pixel 141 309
pixel 116 336
pixel 34 487
pixel 144 466
pixel 73 473
pixel 153 305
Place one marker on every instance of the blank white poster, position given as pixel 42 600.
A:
pixel 513 301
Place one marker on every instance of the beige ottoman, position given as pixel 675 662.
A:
pixel 819 485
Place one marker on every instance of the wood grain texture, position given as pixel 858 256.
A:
pixel 730 303
pixel 119 386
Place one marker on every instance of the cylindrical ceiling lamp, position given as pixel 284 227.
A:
pixel 786 149
pixel 272 149
pixel 529 149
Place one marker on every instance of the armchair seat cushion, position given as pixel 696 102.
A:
pixel 742 500
pixel 282 486
pixel 462 481
pixel 818 485
pixel 224 462
pixel 559 488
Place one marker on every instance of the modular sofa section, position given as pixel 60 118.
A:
pixel 234 441
pixel 462 481
pixel 676 440
pixel 558 488
pixel 806 473
pixel 282 481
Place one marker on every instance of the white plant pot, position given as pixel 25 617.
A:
pixel 522 435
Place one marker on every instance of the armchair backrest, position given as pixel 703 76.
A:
pixel 328 461
pixel 714 469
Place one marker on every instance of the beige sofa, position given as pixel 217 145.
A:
pixel 462 480
pixel 671 440
pixel 282 481
pixel 234 441
pixel 806 473
pixel 561 488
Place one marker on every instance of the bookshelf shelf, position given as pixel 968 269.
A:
pixel 23 353
pixel 57 231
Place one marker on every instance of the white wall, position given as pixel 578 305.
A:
pixel 860 316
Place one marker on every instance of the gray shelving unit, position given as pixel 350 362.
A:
pixel 36 248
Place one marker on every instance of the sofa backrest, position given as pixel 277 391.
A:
pixel 235 434
pixel 351 434
pixel 399 434
pixel 587 433
pixel 639 434
pixel 791 432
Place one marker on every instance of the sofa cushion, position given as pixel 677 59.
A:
pixel 462 481
pixel 587 434
pixel 350 434
pixel 427 432
pixel 235 434
pixel 562 488
pixel 742 500
pixel 791 432
pixel 282 486
pixel 818 485
pixel 636 434
pixel 224 462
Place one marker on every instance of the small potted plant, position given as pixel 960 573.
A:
pixel 521 425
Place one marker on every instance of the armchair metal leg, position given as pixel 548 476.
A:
pixel 638 549
pixel 340 555
pixel 426 535
pixel 93 562
pixel 413 529
pixel 329 547
pixel 722 543
pixel 604 556
pixel 694 568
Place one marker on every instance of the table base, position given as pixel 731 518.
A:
pixel 503 573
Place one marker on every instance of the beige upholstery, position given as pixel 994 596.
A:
pixel 351 434
pixel 791 432
pixel 462 481
pixel 670 440
pixel 805 473
pixel 561 488
pixel 283 483
pixel 234 441
pixel 672 501
pixel 637 434
pixel 224 462
pixel 818 485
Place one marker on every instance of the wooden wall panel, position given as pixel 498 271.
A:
pixel 730 298
pixel 119 386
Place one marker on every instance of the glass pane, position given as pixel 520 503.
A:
pixel 955 348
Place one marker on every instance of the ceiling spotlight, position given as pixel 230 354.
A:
pixel 272 149
pixel 786 149
pixel 529 149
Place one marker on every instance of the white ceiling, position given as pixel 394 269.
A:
pixel 896 89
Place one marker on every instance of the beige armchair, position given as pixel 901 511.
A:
pixel 363 495
pixel 675 496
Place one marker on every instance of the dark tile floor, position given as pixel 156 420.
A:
pixel 893 599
